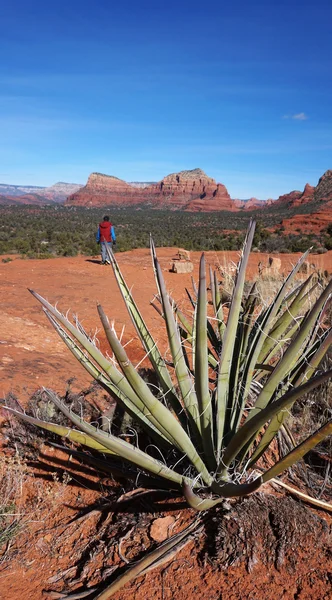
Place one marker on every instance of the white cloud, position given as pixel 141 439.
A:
pixel 300 117
pixel 297 117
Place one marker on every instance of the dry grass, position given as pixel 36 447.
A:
pixel 13 473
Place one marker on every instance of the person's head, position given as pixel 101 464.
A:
pixel 106 218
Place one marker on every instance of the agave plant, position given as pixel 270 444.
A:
pixel 233 377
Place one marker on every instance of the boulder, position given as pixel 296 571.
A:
pixel 181 266
pixel 274 264
pixel 183 254
pixel 271 270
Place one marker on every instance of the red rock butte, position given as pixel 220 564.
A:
pixel 188 190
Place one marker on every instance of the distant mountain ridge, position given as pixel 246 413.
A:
pixel 7 189
pixel 38 195
pixel 189 190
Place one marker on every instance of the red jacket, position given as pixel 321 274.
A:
pixel 106 232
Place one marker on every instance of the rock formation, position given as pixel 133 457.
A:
pixel 321 213
pixel 188 190
pixel 296 198
pixel 323 190
pixel 60 191
pixel 321 193
pixel 106 190
pixel 252 203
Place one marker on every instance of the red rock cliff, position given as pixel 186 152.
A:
pixel 189 190
pixel 320 216
pixel 105 190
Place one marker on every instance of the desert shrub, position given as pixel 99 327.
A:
pixel 329 229
pixel 72 229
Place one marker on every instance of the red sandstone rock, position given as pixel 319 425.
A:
pixel 323 191
pixel 105 190
pixel 288 199
pixel 251 204
pixel 161 527
pixel 319 218
pixel 189 190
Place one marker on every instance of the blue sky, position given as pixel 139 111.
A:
pixel 138 90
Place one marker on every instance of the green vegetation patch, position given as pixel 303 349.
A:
pixel 45 232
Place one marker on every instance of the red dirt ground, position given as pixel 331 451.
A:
pixel 31 352
pixel 31 356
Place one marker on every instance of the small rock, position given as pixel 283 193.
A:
pixel 274 264
pixel 183 254
pixel 304 268
pixel 159 530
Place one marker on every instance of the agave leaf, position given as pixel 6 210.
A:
pixel 229 339
pixel 212 336
pixel 93 351
pixel 191 299
pixel 71 434
pixel 287 361
pixel 248 316
pixel 213 290
pixel 198 503
pixel 240 352
pixel 278 348
pixel 184 321
pixel 137 383
pixel 183 376
pixel 159 556
pixel 202 369
pixel 78 335
pixel 227 490
pixel 297 453
pixel 285 321
pixel 193 340
pixel 190 329
pixel 233 384
pixel 251 427
pixel 294 379
pixel 116 377
pixel 258 336
pixel 195 290
pixel 311 358
pixel 163 418
pixel 147 341
pixel 132 404
pixel 304 497
pixel 219 309
pixel 119 446
pixel 236 490
pixel 278 420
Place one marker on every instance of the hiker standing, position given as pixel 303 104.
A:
pixel 106 237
